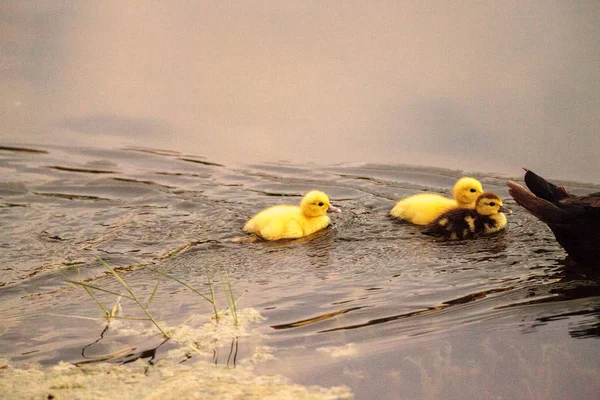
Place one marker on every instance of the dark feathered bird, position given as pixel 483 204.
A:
pixel 466 223
pixel 574 220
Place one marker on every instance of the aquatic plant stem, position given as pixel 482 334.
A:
pixel 122 282
pixel 85 285
pixel 211 287
pixel 211 300
pixel 107 314
pixel 180 282
pixel 155 289
pixel 229 296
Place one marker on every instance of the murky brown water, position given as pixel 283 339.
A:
pixel 370 303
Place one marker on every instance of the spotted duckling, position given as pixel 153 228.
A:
pixel 466 223
pixel 421 209
pixel 291 222
pixel 574 220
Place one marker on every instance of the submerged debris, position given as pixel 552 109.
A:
pixel 167 378
pixel 164 380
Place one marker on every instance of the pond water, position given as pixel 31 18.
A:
pixel 147 133
pixel 369 303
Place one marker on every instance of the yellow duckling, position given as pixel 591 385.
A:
pixel 466 223
pixel 423 208
pixel 291 222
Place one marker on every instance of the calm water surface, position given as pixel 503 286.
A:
pixel 346 94
pixel 369 303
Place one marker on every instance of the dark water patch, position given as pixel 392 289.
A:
pixel 266 193
pixel 23 149
pixel 462 300
pixel 316 319
pixel 72 196
pixel 83 170
pixel 8 205
pixel 142 182
pixel 475 296
pixel 47 236
pixel 197 161
pixel 159 152
pixel 192 175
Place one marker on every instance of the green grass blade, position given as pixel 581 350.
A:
pixel 182 283
pixel 97 301
pixel 153 293
pixel 211 286
pixel 106 313
pixel 132 318
pixel 85 285
pixel 122 282
pixel 75 316
pixel 155 288
pixel 229 297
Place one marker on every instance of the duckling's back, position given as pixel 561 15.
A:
pixel 422 208
pixel 457 223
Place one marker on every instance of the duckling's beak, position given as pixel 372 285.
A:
pixel 333 209
pixel 504 210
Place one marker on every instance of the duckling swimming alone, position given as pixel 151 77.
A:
pixel 574 220
pixel 291 222
pixel 423 208
pixel 466 223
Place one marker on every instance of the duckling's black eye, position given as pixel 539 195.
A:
pixel 473 190
pixel 492 203
pixel 320 204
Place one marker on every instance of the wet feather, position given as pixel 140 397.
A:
pixel 466 223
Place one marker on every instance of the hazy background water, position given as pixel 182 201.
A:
pixel 485 86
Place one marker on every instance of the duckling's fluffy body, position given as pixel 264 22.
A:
pixel 423 208
pixel 467 223
pixel 291 222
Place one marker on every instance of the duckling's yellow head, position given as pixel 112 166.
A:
pixel 316 204
pixel 467 190
pixel 489 203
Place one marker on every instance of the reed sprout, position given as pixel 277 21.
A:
pixel 115 311
pixel 122 282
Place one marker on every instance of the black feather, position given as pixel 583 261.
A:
pixel 544 189
pixel 574 220
pixel 457 224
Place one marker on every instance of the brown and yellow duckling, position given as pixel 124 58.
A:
pixel 291 222
pixel 574 220
pixel 421 209
pixel 466 223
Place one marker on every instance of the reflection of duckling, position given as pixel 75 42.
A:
pixel 574 220
pixel 291 222
pixel 423 208
pixel 465 223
